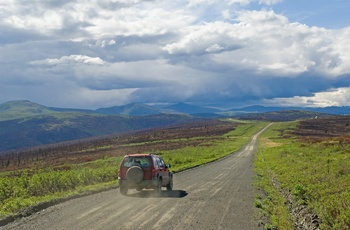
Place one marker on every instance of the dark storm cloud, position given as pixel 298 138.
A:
pixel 10 35
pixel 120 51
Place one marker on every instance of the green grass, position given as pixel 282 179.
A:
pixel 316 174
pixel 22 189
pixel 28 188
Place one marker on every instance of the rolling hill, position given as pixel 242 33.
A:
pixel 133 109
pixel 24 124
pixel 21 109
pixel 191 109
pixel 40 130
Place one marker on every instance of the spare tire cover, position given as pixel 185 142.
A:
pixel 134 174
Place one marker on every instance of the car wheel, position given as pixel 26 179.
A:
pixel 169 186
pixel 135 174
pixel 123 189
pixel 158 188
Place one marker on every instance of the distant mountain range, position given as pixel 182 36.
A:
pixel 20 109
pixel 133 109
pixel 336 110
pixel 25 124
pixel 139 109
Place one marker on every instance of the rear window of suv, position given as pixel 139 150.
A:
pixel 136 161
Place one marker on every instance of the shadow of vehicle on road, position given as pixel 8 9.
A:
pixel 163 194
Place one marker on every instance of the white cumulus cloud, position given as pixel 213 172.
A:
pixel 212 51
pixel 70 60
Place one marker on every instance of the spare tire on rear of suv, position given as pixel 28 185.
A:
pixel 135 174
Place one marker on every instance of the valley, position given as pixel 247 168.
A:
pixel 25 124
pixel 301 167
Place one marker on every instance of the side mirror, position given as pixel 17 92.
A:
pixel 168 166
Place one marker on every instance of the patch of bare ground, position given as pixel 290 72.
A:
pixel 324 128
pixel 268 143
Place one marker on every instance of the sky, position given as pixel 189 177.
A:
pixel 93 54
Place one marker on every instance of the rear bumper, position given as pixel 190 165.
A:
pixel 143 184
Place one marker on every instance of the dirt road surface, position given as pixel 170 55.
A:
pixel 219 195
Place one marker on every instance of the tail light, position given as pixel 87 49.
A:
pixel 154 173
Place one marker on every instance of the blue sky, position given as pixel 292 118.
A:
pixel 227 53
pixel 331 14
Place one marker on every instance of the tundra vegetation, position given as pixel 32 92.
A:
pixel 300 165
pixel 305 167
pixel 47 174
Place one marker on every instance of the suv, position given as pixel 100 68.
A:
pixel 141 171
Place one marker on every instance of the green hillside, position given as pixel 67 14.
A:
pixel 24 124
pixel 21 109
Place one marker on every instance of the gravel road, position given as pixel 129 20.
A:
pixel 218 195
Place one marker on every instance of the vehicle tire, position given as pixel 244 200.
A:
pixel 169 186
pixel 123 189
pixel 158 188
pixel 135 174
